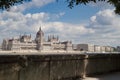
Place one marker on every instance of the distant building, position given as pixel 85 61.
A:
pixel 94 48
pixel 109 49
pixel 97 48
pixel 26 43
pixel 85 47
pixel 75 47
pixel 118 48
pixel 103 48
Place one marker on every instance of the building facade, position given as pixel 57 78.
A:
pixel 85 47
pixel 94 48
pixel 25 42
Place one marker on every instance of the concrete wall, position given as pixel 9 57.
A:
pixel 56 67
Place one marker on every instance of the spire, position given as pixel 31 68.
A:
pixel 53 36
pixel 30 35
pixel 20 35
pixel 48 38
pixel 40 28
pixel 57 37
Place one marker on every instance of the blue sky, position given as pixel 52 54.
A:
pixel 74 15
pixel 92 23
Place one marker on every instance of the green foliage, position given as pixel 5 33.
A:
pixel 6 4
pixel 116 3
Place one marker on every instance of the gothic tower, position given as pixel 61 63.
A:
pixel 39 39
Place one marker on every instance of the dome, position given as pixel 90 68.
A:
pixel 40 32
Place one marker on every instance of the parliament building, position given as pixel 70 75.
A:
pixel 25 42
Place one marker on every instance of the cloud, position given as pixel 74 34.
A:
pixel 101 4
pixel 16 23
pixel 105 17
pixel 106 25
pixel 28 5
pixel 12 24
pixel 103 27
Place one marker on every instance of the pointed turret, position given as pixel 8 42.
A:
pixel 40 28
pixel 40 32
pixel 53 36
pixel 39 39
pixel 57 37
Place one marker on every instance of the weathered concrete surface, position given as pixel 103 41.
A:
pixel 56 67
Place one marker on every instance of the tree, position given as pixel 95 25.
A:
pixel 116 3
pixel 6 4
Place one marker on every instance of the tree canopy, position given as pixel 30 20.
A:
pixel 116 3
pixel 6 4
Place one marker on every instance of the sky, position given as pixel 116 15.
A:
pixel 92 23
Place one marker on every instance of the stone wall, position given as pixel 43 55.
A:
pixel 56 67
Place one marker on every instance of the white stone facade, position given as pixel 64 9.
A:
pixel 26 43
pixel 94 48
pixel 85 47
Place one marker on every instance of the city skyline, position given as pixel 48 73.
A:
pixel 52 43
pixel 83 24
